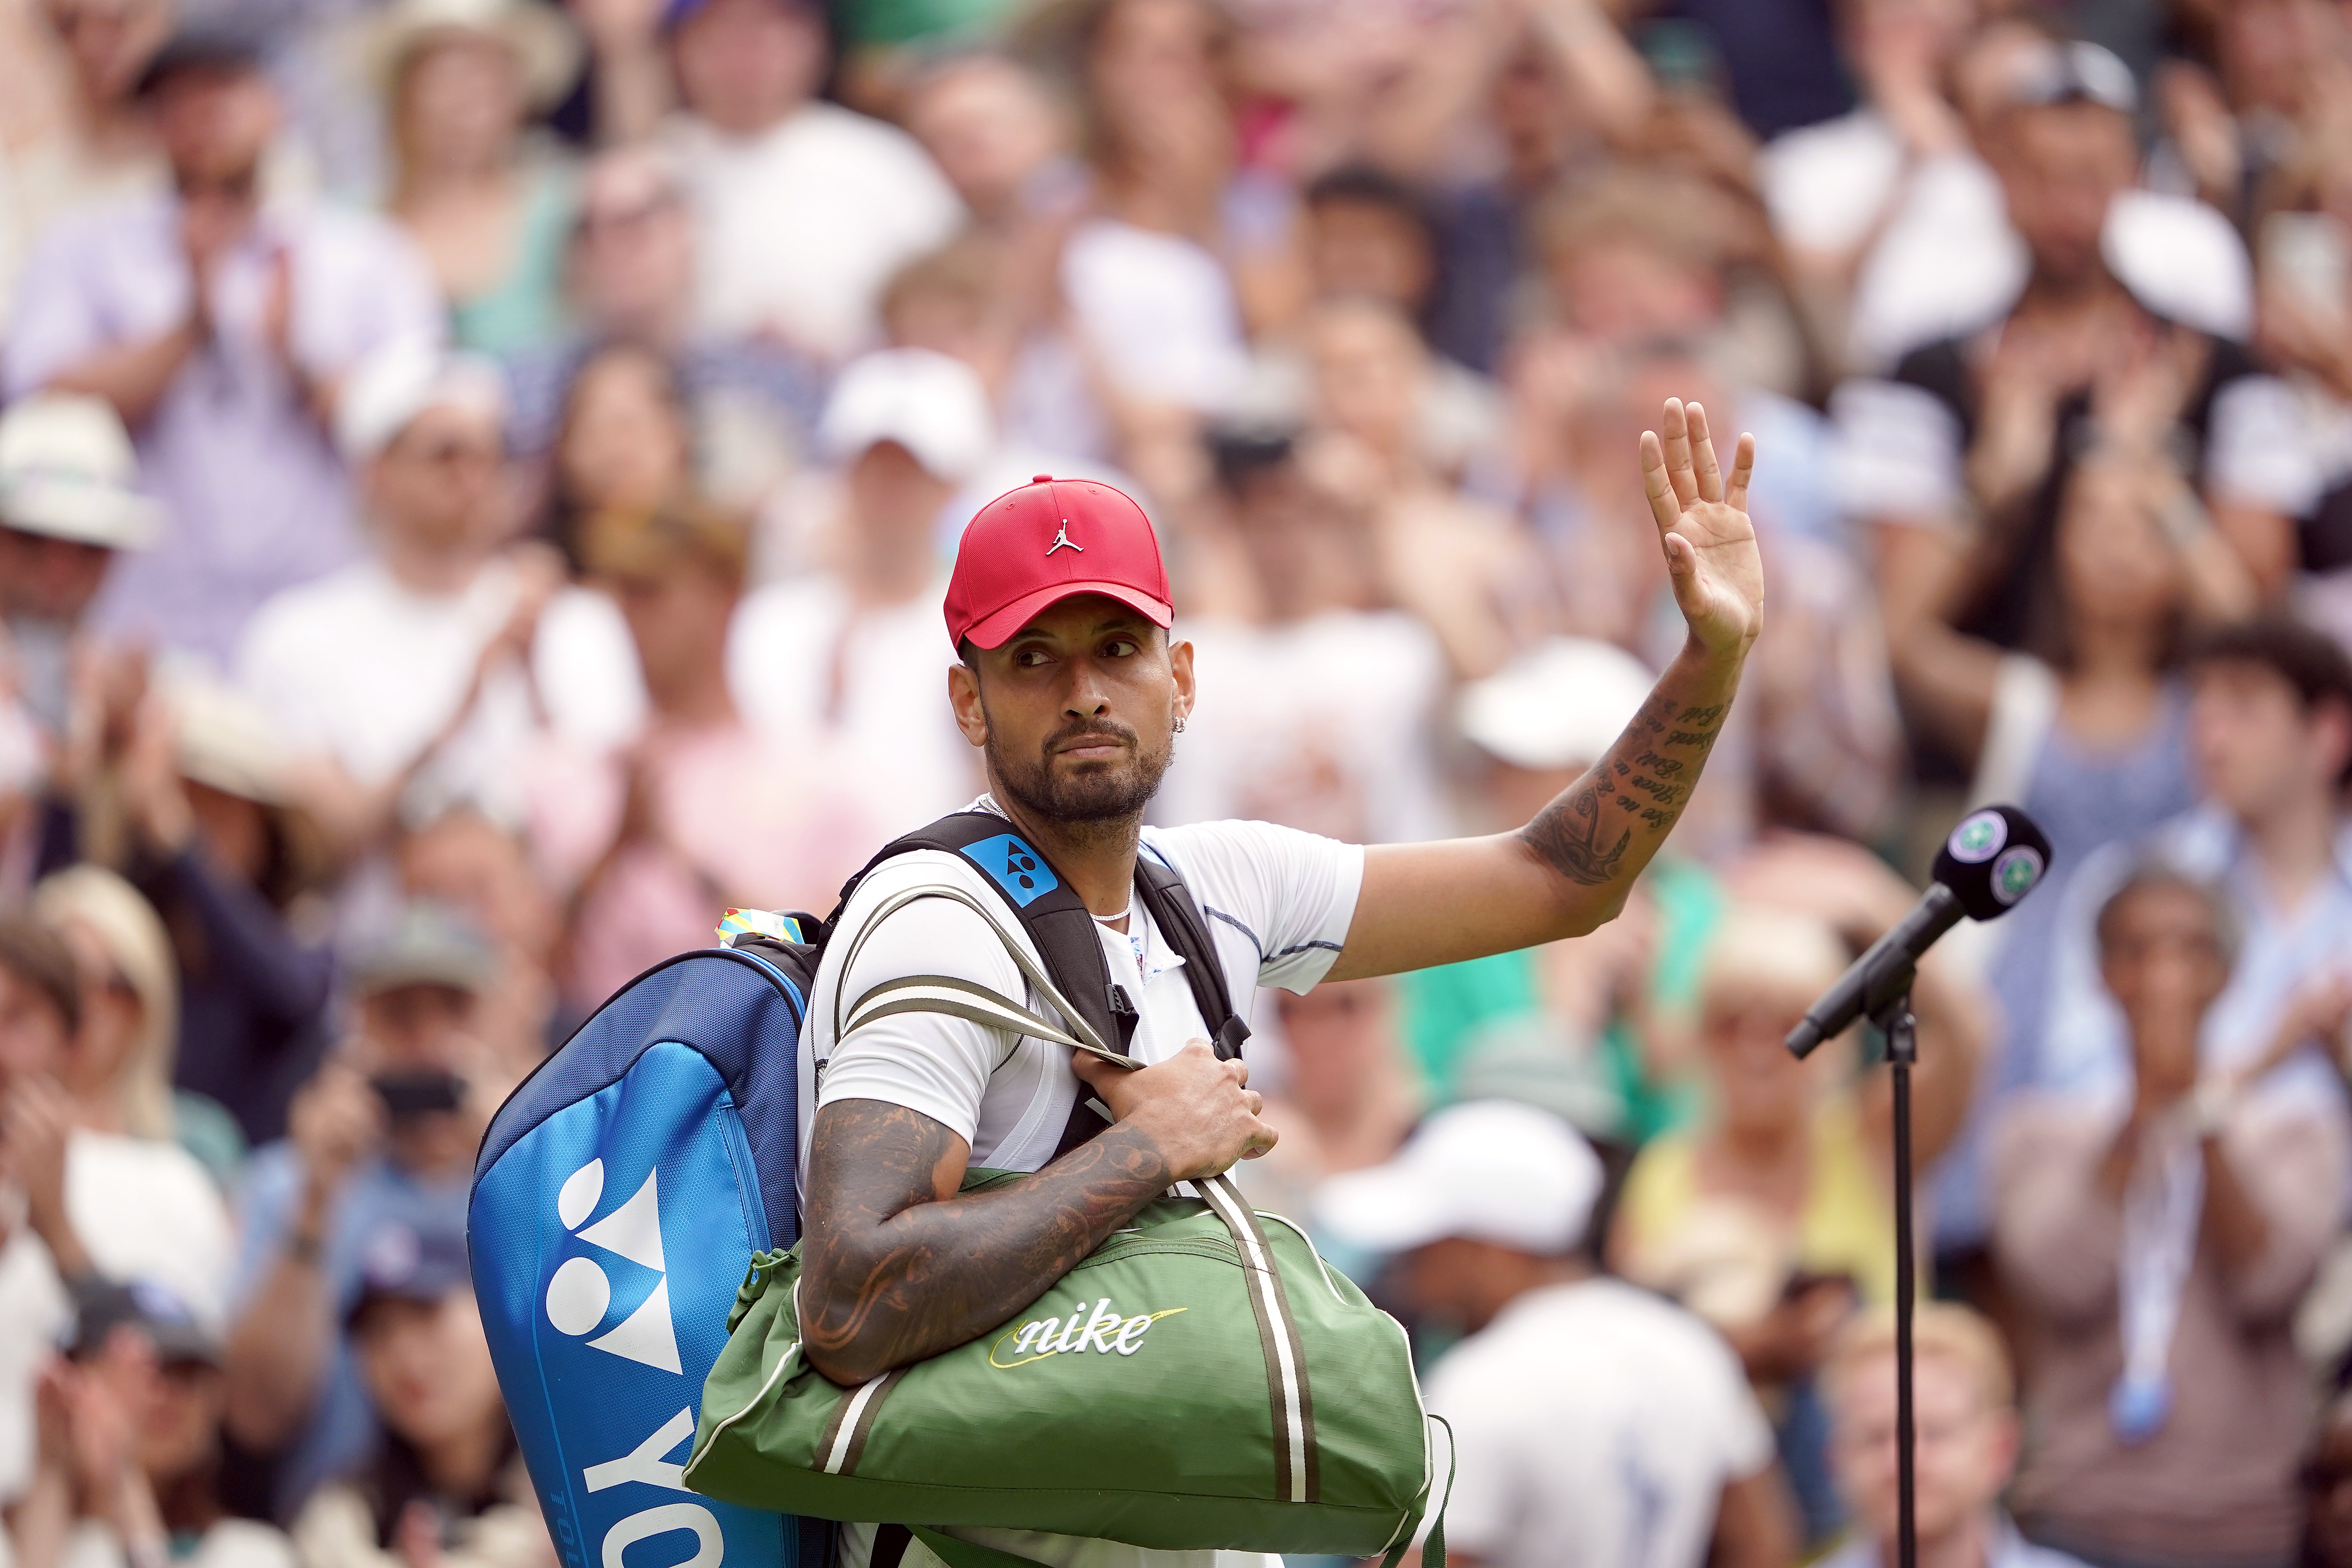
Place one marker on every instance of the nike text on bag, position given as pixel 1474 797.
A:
pixel 1201 1380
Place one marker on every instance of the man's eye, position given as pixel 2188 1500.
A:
pixel 1118 648
pixel 1030 658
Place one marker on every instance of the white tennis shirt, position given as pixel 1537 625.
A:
pixel 1278 903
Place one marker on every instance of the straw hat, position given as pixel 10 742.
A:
pixel 66 471
pixel 545 43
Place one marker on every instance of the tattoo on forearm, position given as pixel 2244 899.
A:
pixel 1588 832
pixel 898 1270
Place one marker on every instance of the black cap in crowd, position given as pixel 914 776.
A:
pixel 216 48
pixel 102 1306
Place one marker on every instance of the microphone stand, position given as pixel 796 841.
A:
pixel 1895 1020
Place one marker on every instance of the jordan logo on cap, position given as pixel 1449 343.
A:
pixel 1062 540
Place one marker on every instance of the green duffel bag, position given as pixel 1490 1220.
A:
pixel 1202 1380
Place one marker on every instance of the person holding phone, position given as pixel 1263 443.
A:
pixel 383 1136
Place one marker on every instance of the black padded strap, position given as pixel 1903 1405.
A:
pixel 891 1543
pixel 1179 919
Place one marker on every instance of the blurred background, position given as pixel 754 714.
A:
pixel 476 482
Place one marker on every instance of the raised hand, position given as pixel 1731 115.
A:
pixel 1704 528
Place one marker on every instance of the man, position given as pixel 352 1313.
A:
pixel 412 670
pixel 805 207
pixel 1964 1409
pixel 1073 690
pixel 384 1135
pixel 2109 334
pixel 630 279
pixel 2270 724
pixel 839 657
pixel 83 1205
pixel 1594 1423
pixel 2158 1245
pixel 219 326
pixel 68 505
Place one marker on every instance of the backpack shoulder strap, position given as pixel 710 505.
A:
pixel 1179 919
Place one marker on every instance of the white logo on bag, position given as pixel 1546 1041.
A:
pixel 1101 1331
pixel 580 1292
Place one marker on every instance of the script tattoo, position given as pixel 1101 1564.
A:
pixel 898 1267
pixel 1587 832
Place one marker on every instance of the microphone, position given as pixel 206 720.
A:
pixel 1992 859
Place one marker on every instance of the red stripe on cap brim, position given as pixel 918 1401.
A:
pixel 1000 626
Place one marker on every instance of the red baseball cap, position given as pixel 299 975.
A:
pixel 1051 540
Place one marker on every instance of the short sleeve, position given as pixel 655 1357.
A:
pixel 1292 893
pixel 2259 447
pixel 56 321
pixel 1489 1492
pixel 928 1062
pixel 1899 451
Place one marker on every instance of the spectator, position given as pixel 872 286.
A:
pixel 1771 1216
pixel 997 135
pixel 2270 731
pixel 1331 726
pixel 1348 1096
pixel 847 660
pixel 447 1482
pixel 224 854
pixel 427 667
pixel 2156 1251
pixel 67 507
pixel 219 326
pixel 1965 1405
pixel 95 1204
pixel 384 1135
pixel 630 277
pixel 1668 1460
pixel 120 1069
pixel 699 813
pixel 773 166
pixel 132 1462
pixel 463 861
pixel 488 211
pixel 1987 419
pixel 2088 732
pixel 625 444
pixel 98 145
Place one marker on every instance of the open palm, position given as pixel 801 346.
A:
pixel 1704 528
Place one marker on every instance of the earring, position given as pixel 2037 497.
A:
pixel 1180 724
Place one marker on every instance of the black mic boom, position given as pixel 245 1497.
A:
pixel 1992 859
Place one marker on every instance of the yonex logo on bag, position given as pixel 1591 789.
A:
pixel 580 1292
pixel 1020 870
pixel 1102 1331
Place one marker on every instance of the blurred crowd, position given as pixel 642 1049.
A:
pixel 476 485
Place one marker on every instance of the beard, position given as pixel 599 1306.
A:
pixel 1102 794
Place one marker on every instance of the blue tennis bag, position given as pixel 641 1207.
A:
pixel 617 1196
pixel 621 1190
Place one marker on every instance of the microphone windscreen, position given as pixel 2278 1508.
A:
pixel 1992 859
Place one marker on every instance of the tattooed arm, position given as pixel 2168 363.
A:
pixel 898 1265
pixel 1571 868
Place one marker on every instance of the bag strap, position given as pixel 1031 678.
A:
pixel 1179 919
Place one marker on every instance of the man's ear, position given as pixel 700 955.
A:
pixel 963 697
pixel 1180 666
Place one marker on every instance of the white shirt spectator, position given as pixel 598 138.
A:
pixel 1326 724
pixel 1664 1421
pixel 805 664
pixel 360 668
pixel 255 496
pixel 1158 314
pixel 801 225
pixel 144 1210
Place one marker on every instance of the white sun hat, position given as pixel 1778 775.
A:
pixel 1561 704
pixel 1488 1170
pixel 66 471
pixel 930 403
